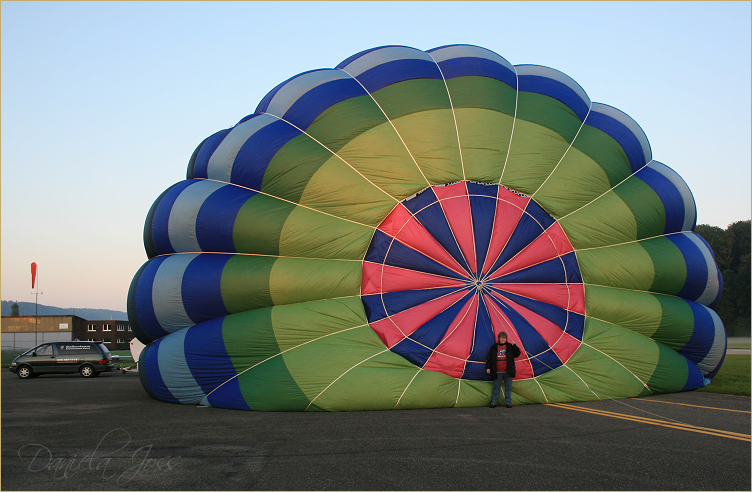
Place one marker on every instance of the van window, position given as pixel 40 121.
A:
pixel 75 349
pixel 44 350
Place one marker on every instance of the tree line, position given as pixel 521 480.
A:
pixel 732 251
pixel 29 309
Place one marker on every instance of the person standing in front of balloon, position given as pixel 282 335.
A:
pixel 500 365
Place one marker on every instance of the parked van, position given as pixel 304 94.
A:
pixel 86 358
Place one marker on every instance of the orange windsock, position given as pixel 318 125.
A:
pixel 33 273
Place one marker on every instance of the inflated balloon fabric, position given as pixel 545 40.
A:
pixel 359 241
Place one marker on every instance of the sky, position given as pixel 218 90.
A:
pixel 103 103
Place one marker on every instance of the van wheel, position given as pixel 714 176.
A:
pixel 24 372
pixel 87 371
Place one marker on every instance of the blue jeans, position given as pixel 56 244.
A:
pixel 507 379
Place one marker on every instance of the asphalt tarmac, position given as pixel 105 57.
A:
pixel 64 432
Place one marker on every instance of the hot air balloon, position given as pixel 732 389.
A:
pixel 358 242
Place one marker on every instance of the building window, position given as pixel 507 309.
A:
pixel 106 328
pixel 121 340
pixel 90 340
pixel 129 328
pixel 91 327
pixel 120 328
pixel 107 340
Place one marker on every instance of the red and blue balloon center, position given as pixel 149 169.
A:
pixel 452 267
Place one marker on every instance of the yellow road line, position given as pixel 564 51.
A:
pixel 662 423
pixel 696 406
pixel 650 421
pixel 653 421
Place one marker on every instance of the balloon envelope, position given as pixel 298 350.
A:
pixel 360 239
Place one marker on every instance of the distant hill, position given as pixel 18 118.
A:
pixel 28 309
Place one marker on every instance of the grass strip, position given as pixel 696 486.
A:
pixel 733 378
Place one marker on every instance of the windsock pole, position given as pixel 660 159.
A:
pixel 36 303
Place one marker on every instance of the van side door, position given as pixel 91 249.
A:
pixel 45 360
pixel 69 357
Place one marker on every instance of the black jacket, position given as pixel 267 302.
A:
pixel 512 352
